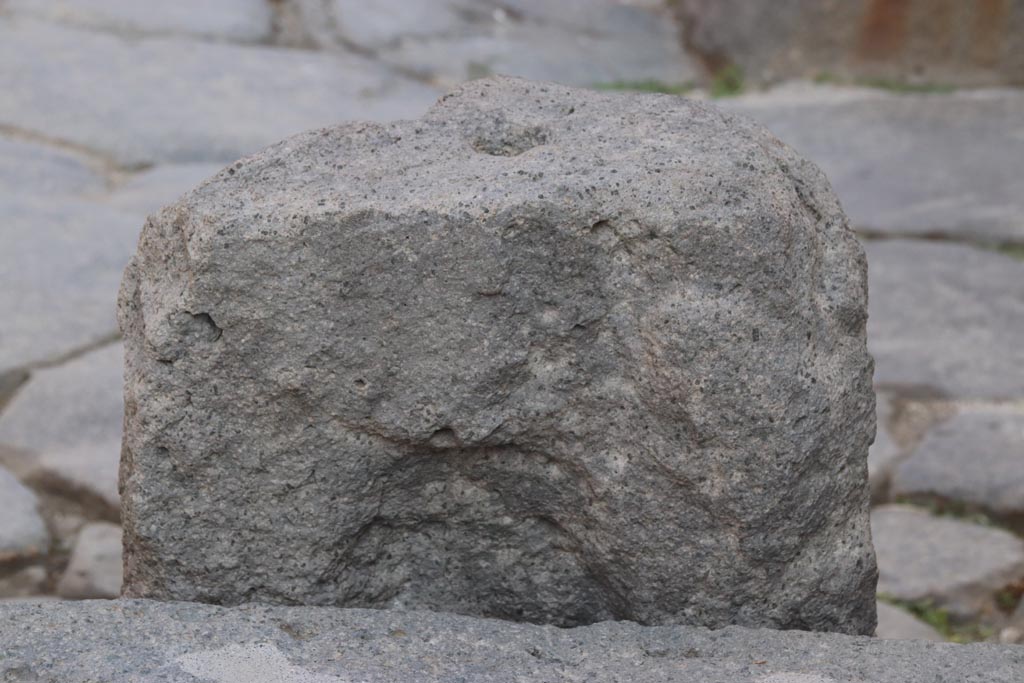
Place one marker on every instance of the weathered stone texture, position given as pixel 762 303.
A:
pixel 127 641
pixel 545 354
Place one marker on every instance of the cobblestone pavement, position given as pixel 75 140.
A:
pixel 109 109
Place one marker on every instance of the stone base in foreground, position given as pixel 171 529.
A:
pixel 140 640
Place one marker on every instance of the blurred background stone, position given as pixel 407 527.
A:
pixel 895 623
pixel 950 563
pixel 916 41
pixel 94 571
pixel 66 424
pixel 973 461
pixel 22 531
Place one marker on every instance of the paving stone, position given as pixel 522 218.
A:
pixel 895 623
pixel 122 641
pixel 235 20
pixel 574 42
pixel 22 582
pixel 930 41
pixel 955 564
pixel 23 533
pixel 60 268
pixel 146 192
pixel 1014 633
pixel 94 571
pixel 10 381
pixel 176 100
pixel 30 600
pixel 38 169
pixel 976 458
pixel 935 164
pixel 884 452
pixel 70 418
pixel 944 316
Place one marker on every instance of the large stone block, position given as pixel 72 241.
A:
pixel 545 354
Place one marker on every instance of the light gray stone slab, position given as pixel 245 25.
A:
pixel 146 192
pixel 94 570
pixel 33 168
pixel 234 20
pixel 543 53
pixel 936 164
pixel 175 100
pixel 945 317
pixel 22 582
pixel 124 641
pixel 572 42
pixel 895 623
pixel 60 266
pixel 23 533
pixel 30 600
pixel 69 417
pixel 957 565
pixel 976 458
pixel 884 452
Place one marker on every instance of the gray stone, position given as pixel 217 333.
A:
pixel 124 641
pixel 235 20
pixel 94 571
pixel 895 623
pixel 70 418
pixel 942 317
pixel 10 382
pixel 31 168
pixel 975 459
pixel 945 165
pixel 21 582
pixel 543 53
pixel 85 472
pixel 60 263
pixel 22 531
pixel 545 354
pixel 176 100
pixel 150 190
pixel 30 600
pixel 954 564
pixel 884 452
pixel 577 42
pixel 909 41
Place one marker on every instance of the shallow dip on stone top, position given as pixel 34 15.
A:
pixel 546 354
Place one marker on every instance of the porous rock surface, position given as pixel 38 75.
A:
pixel 125 641
pixel 545 354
